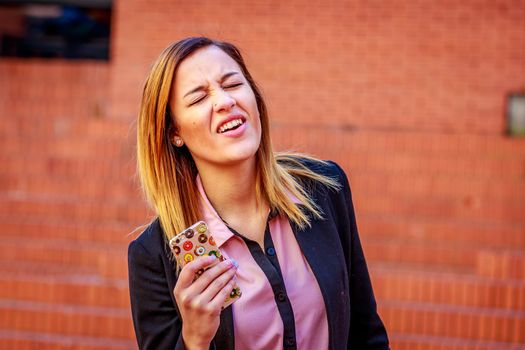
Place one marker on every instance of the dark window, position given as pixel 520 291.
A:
pixel 55 29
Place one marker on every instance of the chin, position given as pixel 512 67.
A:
pixel 240 155
pixel 239 158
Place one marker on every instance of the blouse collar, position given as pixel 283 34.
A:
pixel 221 232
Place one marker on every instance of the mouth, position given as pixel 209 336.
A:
pixel 230 125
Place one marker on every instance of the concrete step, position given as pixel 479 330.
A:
pixel 444 320
pixel 405 283
pixel 74 320
pixel 10 339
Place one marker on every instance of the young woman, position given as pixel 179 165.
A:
pixel 285 222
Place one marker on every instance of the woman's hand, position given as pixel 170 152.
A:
pixel 200 301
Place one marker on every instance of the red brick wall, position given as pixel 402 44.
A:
pixel 408 96
pixel 424 65
pixel 37 88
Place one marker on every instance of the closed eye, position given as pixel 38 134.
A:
pixel 232 85
pixel 197 100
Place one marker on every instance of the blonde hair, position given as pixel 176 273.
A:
pixel 168 174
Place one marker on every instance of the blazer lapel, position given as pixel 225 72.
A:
pixel 321 248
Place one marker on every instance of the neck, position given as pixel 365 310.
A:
pixel 231 189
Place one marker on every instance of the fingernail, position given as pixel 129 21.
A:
pixel 234 262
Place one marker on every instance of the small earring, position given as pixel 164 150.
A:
pixel 179 142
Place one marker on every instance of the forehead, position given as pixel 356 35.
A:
pixel 208 63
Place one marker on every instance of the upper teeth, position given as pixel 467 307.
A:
pixel 229 125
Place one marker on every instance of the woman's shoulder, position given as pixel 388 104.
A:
pixel 325 168
pixel 150 241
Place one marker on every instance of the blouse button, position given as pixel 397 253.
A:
pixel 290 341
pixel 281 296
pixel 270 251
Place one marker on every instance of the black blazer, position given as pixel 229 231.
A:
pixel 330 245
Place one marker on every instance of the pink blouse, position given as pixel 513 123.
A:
pixel 256 318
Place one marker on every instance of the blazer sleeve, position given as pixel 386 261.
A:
pixel 156 321
pixel 366 328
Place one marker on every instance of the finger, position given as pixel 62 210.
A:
pixel 188 272
pixel 218 301
pixel 213 273
pixel 217 284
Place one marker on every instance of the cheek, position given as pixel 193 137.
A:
pixel 192 124
pixel 251 103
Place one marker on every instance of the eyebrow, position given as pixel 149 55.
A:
pixel 201 87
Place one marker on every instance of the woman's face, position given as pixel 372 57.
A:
pixel 214 108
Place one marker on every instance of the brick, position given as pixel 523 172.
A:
pixel 85 254
pixel 416 123
pixel 458 232
pixel 65 319
pixel 116 211
pixel 419 253
pixel 61 288
pixel 402 341
pixel 485 324
pixel 64 228
pixel 23 340
pixel 501 264
pixel 401 283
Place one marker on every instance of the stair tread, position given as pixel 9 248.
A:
pixel 36 306
pixel 63 228
pixel 73 275
pixel 447 340
pixel 68 339
pixel 45 269
pixel 449 308
pixel 482 232
pixel 429 271
pixel 453 246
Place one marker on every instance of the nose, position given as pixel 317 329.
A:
pixel 223 101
